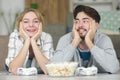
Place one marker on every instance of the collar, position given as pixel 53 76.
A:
pixel 38 40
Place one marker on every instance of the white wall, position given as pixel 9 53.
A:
pixel 100 5
pixel 8 11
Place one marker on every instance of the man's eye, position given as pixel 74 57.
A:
pixel 76 21
pixel 86 21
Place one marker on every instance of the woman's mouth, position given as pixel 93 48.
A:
pixel 31 30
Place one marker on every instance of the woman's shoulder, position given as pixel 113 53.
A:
pixel 14 33
pixel 46 35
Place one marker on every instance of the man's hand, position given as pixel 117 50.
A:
pixel 91 34
pixel 76 37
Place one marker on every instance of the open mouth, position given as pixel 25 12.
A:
pixel 82 30
pixel 31 30
pixel 82 33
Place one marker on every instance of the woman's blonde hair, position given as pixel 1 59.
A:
pixel 20 17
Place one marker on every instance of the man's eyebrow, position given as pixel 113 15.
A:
pixel 83 18
pixel 86 18
pixel 76 19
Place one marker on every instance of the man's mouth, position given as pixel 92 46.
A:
pixel 81 32
pixel 82 37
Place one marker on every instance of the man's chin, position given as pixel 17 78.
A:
pixel 82 37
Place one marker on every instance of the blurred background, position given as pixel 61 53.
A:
pixel 58 14
pixel 59 18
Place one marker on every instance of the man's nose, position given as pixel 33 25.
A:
pixel 80 24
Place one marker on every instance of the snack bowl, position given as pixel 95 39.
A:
pixel 61 68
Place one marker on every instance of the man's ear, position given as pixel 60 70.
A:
pixel 97 25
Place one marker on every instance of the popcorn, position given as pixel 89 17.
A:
pixel 61 69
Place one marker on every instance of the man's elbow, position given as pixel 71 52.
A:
pixel 113 69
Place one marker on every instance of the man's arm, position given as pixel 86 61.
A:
pixel 105 55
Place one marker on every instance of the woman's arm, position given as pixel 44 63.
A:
pixel 19 60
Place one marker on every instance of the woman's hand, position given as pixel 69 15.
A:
pixel 22 33
pixel 38 34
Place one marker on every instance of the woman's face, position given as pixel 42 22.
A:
pixel 30 23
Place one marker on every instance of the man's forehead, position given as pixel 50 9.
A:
pixel 84 18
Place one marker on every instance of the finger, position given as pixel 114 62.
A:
pixel 90 24
pixel 73 30
pixel 40 26
pixel 21 26
pixel 74 26
pixel 93 25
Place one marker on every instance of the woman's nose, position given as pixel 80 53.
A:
pixel 31 24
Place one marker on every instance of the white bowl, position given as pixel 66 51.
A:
pixel 61 69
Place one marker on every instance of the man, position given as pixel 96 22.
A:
pixel 85 44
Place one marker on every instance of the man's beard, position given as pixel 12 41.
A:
pixel 82 37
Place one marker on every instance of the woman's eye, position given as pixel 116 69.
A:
pixel 36 21
pixel 25 21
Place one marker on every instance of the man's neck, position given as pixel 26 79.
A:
pixel 83 45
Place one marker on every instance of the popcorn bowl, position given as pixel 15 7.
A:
pixel 61 68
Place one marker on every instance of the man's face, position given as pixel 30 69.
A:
pixel 82 23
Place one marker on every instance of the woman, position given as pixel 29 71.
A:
pixel 28 45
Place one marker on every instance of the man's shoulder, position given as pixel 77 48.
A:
pixel 100 35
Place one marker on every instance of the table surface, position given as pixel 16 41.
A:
pixel 102 76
